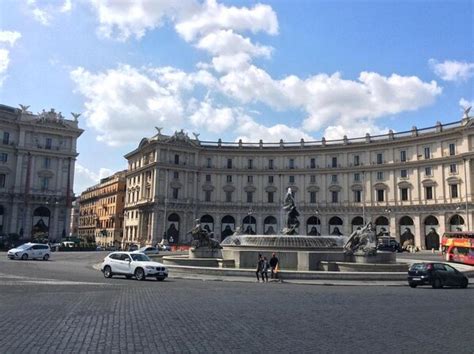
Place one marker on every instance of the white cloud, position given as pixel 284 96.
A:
pixel 124 103
pixel 452 70
pixel 85 178
pixel 66 7
pixel 9 37
pixel 212 119
pixel 466 104
pixel 355 130
pixel 45 11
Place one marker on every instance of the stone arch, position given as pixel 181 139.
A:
pixel 357 223
pixel 456 223
pixel 431 232
pixel 382 226
pixel 407 231
pixel 313 226
pixel 227 226
pixel 335 226
pixel 41 220
pixel 172 229
pixel 249 225
pixel 270 225
pixel 207 223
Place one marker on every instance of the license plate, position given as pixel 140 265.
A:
pixel 416 278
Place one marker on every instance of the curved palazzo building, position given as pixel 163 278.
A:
pixel 416 184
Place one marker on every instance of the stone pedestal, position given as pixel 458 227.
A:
pixel 204 252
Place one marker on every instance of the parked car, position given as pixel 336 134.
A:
pixel 100 248
pixel 148 250
pixel 111 248
pixel 435 274
pixel 389 244
pixel 164 247
pixel 133 264
pixel 132 248
pixel 30 251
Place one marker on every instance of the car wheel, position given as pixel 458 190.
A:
pixel 412 285
pixel 140 274
pixel 107 272
pixel 160 278
pixel 464 283
pixel 24 257
pixel 46 257
pixel 437 284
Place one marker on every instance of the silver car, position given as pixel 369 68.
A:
pixel 30 251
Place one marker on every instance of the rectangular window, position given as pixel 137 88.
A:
pixel 6 138
pixel 3 157
pixel 49 143
pixel 229 163
pixel 46 162
pixel 452 149
pixel 228 197
pixel 270 164
pixel 270 179
pixel 312 197
pixel 404 173
pixel 403 156
pixel 427 153
pixel 312 163
pixel 175 193
pixel 334 178
pixel 380 195
pixel 379 176
pixel 334 162
pixel 453 168
pixel 379 159
pixel 175 175
pixel 250 179
pixel 250 164
pixel 404 194
pixel 428 171
pixel 292 163
pixel 176 159
pixel 454 191
pixel 292 179
pixel 208 178
pixel 45 183
pixel 270 197
pixel 229 179
pixel 356 177
pixel 357 196
pixel 3 178
pixel 356 160
pixel 207 196
pixel 334 196
pixel 312 179
pixel 429 193
pixel 249 197
pixel 209 162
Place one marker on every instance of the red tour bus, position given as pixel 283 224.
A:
pixel 459 246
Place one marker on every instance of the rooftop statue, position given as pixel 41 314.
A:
pixel 292 222
pixel 362 242
pixel 466 111
pixel 202 238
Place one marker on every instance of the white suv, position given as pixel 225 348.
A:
pixel 132 264
pixel 30 251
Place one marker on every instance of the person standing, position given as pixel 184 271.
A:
pixel 274 266
pixel 265 267
pixel 258 271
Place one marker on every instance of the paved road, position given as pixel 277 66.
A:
pixel 65 306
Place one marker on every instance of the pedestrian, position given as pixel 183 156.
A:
pixel 258 271
pixel 265 267
pixel 274 266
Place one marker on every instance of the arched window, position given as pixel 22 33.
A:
pixel 313 226
pixel 335 226
pixel 431 233
pixel 227 226
pixel 456 223
pixel 270 225
pixel 250 225
pixel 172 230
pixel 407 231
pixel 207 223
pixel 40 229
pixel 357 223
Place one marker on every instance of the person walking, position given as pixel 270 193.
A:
pixel 258 271
pixel 265 266
pixel 274 266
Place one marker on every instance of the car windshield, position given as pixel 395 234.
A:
pixel 140 257
pixel 24 246
pixel 418 266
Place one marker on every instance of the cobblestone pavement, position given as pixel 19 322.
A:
pixel 64 306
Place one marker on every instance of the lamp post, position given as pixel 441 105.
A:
pixel 388 211
pixel 316 214
pixel 363 197
pixel 249 216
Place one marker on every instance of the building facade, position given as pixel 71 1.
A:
pixel 37 158
pixel 74 228
pixel 413 185
pixel 101 211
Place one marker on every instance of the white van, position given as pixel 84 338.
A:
pixel 30 251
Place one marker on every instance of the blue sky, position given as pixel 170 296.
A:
pixel 235 69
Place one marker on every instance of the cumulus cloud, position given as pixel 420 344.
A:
pixel 213 119
pixel 85 178
pixel 7 40
pixel 44 11
pixel 452 70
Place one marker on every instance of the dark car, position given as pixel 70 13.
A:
pixel 389 244
pixel 435 274
pixel 132 247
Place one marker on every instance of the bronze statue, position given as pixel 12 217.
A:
pixel 202 237
pixel 292 221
